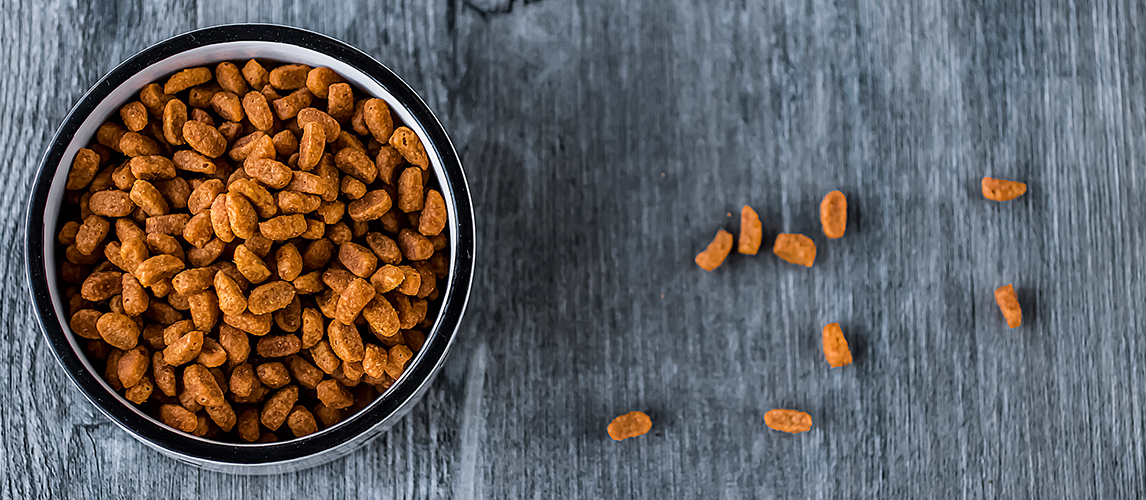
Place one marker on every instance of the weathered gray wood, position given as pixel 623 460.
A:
pixel 605 141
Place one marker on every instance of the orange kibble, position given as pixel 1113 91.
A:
pixel 751 231
pixel 1002 190
pixel 836 346
pixel 783 420
pixel 713 256
pixel 1009 305
pixel 834 214
pixel 631 424
pixel 795 248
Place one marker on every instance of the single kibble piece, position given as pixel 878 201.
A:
pixel 834 214
pixel 836 346
pixel 629 425
pixel 1002 190
pixel 713 256
pixel 1009 305
pixel 751 231
pixel 795 248
pixel 791 421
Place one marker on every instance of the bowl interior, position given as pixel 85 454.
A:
pixel 210 55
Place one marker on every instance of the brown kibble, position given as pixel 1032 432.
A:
pixel 136 144
pixel 751 231
pixel 289 106
pixel 256 76
pixel 278 406
pixel 283 227
pixel 376 116
pixel 433 217
pixel 411 281
pixel 384 247
pixel 111 203
pixel 133 366
pixel 417 247
pixel 301 422
pixel 355 163
pixel 199 230
pixel 836 346
pixel 205 256
pixel 387 278
pixel 257 325
pixel 396 360
pixel 243 380
pixel 204 138
pixel 250 265
pixel 190 161
pixel 629 425
pixel 306 182
pixel 297 202
pixel 345 341
pixel 357 259
pixel 333 395
pixel 227 105
pixel 278 346
pixel 352 300
pixel 223 416
pixel 795 248
pixel 164 374
pixel 154 99
pixel 311 147
pixel 268 171
pixel 147 197
pixel 289 76
pixel 170 224
pixel 325 358
pixel 374 361
pixel 230 78
pixel 135 299
pixel 198 380
pixel 83 323
pixel 1009 305
pixel 1002 190
pixel 339 101
pixel 91 234
pixel 258 111
pixel 260 198
pixel 834 214
pixel 134 116
pixel 330 126
pixel 352 188
pixel 157 268
pixel 186 79
pixel 248 424
pixel 235 342
pixel 270 297
pixel 178 417
pixel 140 392
pixel 410 190
pixel 319 80
pixel 212 354
pixel 791 421
pixel 273 374
pixel 241 214
pixel 387 161
pixel 183 350
pixel 407 143
pixel 286 143
pixel 177 191
pixel 84 169
pixel 204 310
pixel 713 256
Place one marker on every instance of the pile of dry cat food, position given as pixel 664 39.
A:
pixel 253 252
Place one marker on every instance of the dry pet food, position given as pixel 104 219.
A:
pixel 237 264
pixel 1002 190
pixel 1009 305
pixel 713 256
pixel 795 248
pixel 836 346
pixel 834 214
pixel 792 421
pixel 631 424
pixel 751 231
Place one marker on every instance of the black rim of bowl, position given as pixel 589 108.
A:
pixel 438 339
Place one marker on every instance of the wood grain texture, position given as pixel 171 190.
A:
pixel 605 140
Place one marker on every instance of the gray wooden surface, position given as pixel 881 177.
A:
pixel 605 140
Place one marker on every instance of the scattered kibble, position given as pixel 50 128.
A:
pixel 836 346
pixel 631 424
pixel 834 214
pixel 1002 190
pixel 713 256
pixel 751 231
pixel 791 421
pixel 795 248
pixel 1009 305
